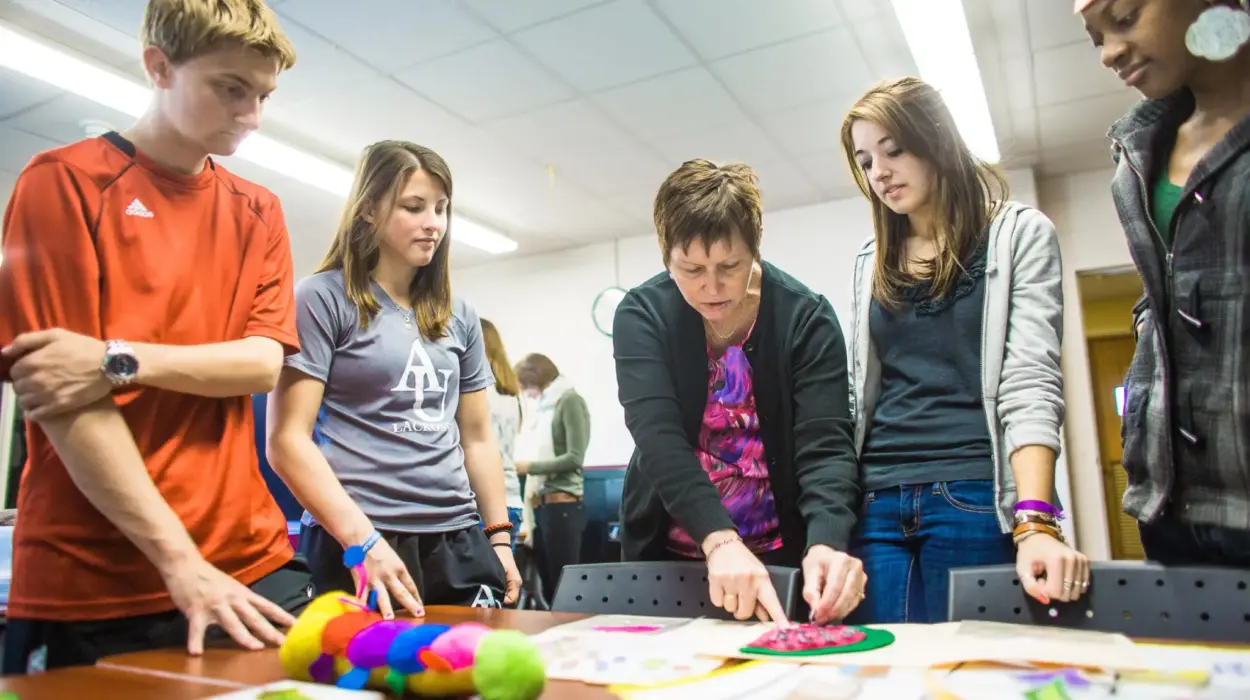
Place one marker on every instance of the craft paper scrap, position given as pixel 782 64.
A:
pixel 765 680
pixel 921 646
pixel 604 657
pixel 296 690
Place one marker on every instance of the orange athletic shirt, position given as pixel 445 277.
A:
pixel 102 241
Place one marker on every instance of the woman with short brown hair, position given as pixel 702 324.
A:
pixel 733 379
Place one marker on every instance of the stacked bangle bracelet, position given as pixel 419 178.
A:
pixel 1032 517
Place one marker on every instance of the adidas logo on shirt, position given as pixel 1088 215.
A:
pixel 136 208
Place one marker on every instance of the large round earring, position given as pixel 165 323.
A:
pixel 1219 32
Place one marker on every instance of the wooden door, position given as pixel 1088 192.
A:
pixel 1109 358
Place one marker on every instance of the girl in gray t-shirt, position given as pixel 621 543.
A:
pixel 381 423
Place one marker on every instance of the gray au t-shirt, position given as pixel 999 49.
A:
pixel 387 423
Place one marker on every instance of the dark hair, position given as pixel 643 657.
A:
pixel 384 170
pixel 913 113
pixel 705 202
pixel 536 371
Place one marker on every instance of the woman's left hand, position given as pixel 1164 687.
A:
pixel 1050 569
pixel 511 573
pixel 833 583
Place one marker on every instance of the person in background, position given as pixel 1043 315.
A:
pixel 1180 187
pixel 145 295
pixel 957 392
pixel 733 379
pixel 556 493
pixel 391 380
pixel 506 417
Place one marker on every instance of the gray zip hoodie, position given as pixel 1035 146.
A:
pixel 1022 386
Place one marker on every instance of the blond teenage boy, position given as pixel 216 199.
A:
pixel 146 293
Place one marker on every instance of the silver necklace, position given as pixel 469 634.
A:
pixel 407 315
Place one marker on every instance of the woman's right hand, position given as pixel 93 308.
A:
pixel 738 582
pixel 389 577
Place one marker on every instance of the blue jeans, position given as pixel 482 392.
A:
pixel 910 537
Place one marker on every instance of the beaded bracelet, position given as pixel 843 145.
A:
pixel 497 527
pixel 722 543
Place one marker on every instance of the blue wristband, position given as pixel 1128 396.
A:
pixel 355 555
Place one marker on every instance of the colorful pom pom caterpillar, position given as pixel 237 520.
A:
pixel 339 641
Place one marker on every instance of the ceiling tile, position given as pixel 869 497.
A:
pixel 855 10
pixel 352 118
pixel 60 120
pixel 7 182
pixel 738 141
pixel 604 172
pixel 122 15
pixel 884 47
pixel 603 46
pixel 670 104
pixel 561 132
pixel 1023 137
pixel 319 67
pixel 1006 23
pixel 783 185
pixel 1071 72
pixel 504 81
pixel 801 71
pixel 1081 121
pixel 830 172
pixel 18 147
pixel 20 92
pixel 510 15
pixel 718 28
pixel 526 198
pixel 1052 24
pixel 1092 155
pixel 813 127
pixel 396 36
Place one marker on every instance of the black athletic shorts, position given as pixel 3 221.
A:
pixel 449 568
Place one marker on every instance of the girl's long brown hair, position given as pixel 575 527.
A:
pixel 505 378
pixel 913 113
pixel 381 175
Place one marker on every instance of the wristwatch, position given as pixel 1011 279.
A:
pixel 120 364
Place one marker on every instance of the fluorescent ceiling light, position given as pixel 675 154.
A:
pixel 937 33
pixel 80 77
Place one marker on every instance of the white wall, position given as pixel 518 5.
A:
pixel 542 303
pixel 1092 239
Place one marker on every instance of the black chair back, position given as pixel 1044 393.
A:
pixel 660 588
pixel 1144 600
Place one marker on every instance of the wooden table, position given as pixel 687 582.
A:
pixel 247 668
pixel 86 682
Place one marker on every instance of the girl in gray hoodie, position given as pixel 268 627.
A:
pixel 956 388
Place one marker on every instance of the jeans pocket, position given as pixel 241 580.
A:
pixel 969 496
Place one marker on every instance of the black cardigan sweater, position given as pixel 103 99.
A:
pixel 799 365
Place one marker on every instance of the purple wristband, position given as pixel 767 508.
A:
pixel 1040 506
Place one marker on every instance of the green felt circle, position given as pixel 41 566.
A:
pixel 875 640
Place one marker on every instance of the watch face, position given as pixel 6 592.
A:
pixel 123 366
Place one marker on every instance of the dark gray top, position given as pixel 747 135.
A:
pixel 929 423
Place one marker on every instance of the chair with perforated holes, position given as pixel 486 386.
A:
pixel 1143 600
pixel 660 588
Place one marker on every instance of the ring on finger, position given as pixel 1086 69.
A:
pixel 1068 583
